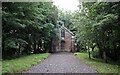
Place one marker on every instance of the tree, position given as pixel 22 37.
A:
pixel 27 27
pixel 97 25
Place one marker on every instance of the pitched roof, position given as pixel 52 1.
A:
pixel 67 30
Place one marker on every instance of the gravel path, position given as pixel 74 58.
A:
pixel 61 63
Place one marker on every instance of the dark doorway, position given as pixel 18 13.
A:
pixel 62 45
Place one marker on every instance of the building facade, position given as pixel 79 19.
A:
pixel 65 41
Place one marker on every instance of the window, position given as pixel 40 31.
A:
pixel 62 33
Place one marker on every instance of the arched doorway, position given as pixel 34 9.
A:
pixel 62 45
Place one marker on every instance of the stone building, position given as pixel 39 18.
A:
pixel 65 41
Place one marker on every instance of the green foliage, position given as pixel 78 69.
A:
pixel 95 53
pixel 99 23
pixel 27 27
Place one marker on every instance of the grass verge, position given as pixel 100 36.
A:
pixel 98 64
pixel 23 63
pixel 0 67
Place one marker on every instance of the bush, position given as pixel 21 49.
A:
pixel 95 53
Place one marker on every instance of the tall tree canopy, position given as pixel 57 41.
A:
pixel 30 27
pixel 27 27
pixel 97 29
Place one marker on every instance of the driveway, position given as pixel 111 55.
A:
pixel 61 63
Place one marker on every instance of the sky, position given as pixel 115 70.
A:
pixel 66 5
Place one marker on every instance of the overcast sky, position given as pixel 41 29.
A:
pixel 67 5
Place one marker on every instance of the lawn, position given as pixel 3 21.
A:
pixel 22 63
pixel 0 67
pixel 98 64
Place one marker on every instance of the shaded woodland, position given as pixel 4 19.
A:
pixel 97 29
pixel 29 28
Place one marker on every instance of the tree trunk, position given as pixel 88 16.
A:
pixel 19 50
pixel 34 44
pixel 93 50
pixel 50 45
pixel 104 57
pixel 89 53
